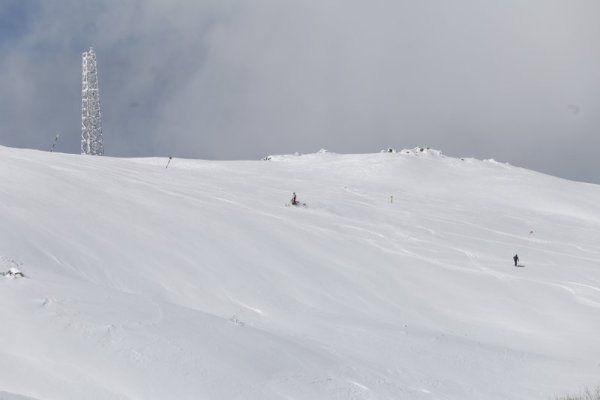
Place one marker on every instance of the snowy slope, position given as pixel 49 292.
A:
pixel 196 282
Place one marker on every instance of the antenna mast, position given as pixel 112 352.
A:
pixel 91 118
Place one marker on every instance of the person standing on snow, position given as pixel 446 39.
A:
pixel 294 201
pixel 516 259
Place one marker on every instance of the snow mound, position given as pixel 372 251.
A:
pixel 418 151
pixel 284 157
pixel 281 157
pixel 12 264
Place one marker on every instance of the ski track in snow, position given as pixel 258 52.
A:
pixel 12 396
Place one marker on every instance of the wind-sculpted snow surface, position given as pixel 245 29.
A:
pixel 195 282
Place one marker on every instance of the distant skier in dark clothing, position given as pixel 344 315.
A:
pixel 294 201
pixel 516 259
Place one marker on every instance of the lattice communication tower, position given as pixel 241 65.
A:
pixel 91 118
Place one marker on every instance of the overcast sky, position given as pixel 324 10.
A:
pixel 514 80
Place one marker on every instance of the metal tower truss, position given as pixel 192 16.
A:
pixel 91 118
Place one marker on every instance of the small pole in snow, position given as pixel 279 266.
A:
pixel 168 162
pixel 391 199
pixel 54 143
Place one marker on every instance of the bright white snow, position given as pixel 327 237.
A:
pixel 197 282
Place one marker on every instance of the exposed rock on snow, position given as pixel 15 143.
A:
pixel 423 151
pixel 13 273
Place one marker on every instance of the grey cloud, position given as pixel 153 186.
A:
pixel 237 79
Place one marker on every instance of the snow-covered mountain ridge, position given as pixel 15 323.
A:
pixel 197 281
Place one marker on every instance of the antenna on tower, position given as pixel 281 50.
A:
pixel 54 143
pixel 91 118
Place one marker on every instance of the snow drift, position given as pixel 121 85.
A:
pixel 143 282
